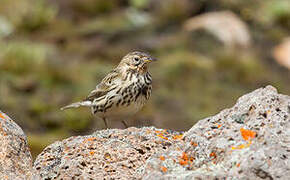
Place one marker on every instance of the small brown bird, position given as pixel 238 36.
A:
pixel 124 91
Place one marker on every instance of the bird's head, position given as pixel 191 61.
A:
pixel 137 61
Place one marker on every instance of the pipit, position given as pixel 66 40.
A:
pixel 124 91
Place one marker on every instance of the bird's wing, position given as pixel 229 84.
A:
pixel 106 85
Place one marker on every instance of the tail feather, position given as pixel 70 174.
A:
pixel 77 104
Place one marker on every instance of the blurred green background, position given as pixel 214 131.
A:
pixel 54 52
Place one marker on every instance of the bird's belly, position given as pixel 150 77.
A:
pixel 122 109
pixel 126 110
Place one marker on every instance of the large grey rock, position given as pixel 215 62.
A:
pixel 108 154
pixel 15 157
pixel 248 141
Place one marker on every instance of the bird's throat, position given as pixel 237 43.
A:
pixel 142 69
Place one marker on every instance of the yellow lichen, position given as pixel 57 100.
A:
pixel 161 136
pixel 242 146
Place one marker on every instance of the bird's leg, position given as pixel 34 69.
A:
pixel 105 121
pixel 125 124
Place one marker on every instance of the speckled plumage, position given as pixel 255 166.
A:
pixel 124 91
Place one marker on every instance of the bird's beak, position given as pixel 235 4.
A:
pixel 150 59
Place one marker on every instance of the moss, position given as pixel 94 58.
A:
pixel 244 68
pixel 94 7
pixel 22 57
pixel 109 24
pixel 40 14
pixel 140 3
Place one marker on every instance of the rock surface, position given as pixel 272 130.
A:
pixel 248 141
pixel 15 157
pixel 105 154
pixel 251 140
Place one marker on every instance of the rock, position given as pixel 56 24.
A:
pixel 281 53
pixel 248 141
pixel 251 140
pixel 108 154
pixel 15 157
pixel 224 25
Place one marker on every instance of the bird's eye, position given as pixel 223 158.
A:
pixel 136 59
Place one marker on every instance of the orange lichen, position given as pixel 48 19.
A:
pixel 164 169
pixel 183 159
pixel 184 156
pixel 162 158
pixel 191 159
pixel 92 152
pixel 212 154
pixel 1 116
pixel 158 132
pixel 178 136
pixel 239 164
pixel 182 162
pixel 193 143
pixel 219 125
pixel 89 139
pixel 247 134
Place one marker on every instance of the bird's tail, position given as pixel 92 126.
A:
pixel 77 104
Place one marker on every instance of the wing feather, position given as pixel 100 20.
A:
pixel 106 85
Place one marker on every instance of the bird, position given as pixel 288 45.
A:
pixel 123 92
